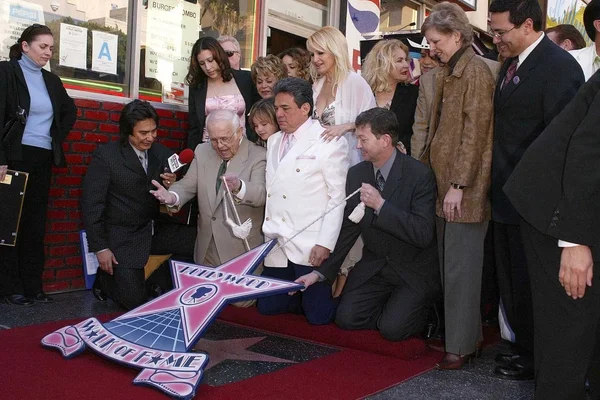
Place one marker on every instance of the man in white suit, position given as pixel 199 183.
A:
pixel 305 177
pixel 589 57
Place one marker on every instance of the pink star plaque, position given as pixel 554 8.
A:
pixel 158 335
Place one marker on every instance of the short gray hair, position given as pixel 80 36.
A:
pixel 225 38
pixel 448 18
pixel 223 115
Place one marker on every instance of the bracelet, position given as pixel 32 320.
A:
pixel 457 186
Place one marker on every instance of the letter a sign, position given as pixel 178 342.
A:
pixel 104 52
pixel 140 340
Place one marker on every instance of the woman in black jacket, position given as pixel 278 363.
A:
pixel 33 148
pixel 387 71
pixel 215 85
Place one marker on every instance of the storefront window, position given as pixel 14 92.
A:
pixel 295 19
pixel 90 40
pixel 169 29
pixel 398 15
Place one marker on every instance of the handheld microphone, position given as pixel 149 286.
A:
pixel 176 162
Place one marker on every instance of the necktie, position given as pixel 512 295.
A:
pixel 510 72
pixel 380 180
pixel 222 170
pixel 289 140
pixel 144 161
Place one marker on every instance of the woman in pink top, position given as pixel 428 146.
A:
pixel 214 85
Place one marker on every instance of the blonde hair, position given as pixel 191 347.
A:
pixel 269 65
pixel 330 40
pixel 380 62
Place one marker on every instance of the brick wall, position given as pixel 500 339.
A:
pixel 97 123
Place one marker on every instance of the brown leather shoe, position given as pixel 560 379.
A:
pixel 436 344
pixel 454 361
pixel 439 345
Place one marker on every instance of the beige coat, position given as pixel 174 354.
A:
pixel 249 165
pixel 459 148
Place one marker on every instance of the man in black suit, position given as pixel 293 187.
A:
pixel 119 213
pixel 398 277
pixel 535 83
pixel 555 188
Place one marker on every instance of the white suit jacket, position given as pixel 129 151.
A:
pixel 585 57
pixel 309 180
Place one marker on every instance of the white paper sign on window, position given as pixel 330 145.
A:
pixel 171 31
pixel 104 52
pixel 15 16
pixel 73 46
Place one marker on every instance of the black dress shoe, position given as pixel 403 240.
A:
pixel 505 358
pixel 97 292
pixel 514 371
pixel 42 298
pixel 19 300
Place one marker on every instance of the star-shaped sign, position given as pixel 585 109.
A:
pixel 200 292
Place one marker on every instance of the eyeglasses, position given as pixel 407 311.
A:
pixel 499 35
pixel 231 53
pixel 224 141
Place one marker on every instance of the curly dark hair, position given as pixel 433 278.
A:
pixel 300 57
pixel 196 77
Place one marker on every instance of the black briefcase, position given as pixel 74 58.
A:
pixel 12 193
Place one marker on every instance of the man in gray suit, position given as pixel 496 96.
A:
pixel 228 153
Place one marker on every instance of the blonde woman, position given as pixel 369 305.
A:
pixel 339 93
pixel 386 70
pixel 266 72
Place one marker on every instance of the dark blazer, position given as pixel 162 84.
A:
pixel 197 103
pixel 556 186
pixel 404 104
pixel 64 108
pixel 117 206
pixel 541 88
pixel 402 236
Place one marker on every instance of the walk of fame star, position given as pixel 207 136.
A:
pixel 234 349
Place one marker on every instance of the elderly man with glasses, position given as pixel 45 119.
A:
pixel 227 154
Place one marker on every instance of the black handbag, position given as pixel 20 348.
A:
pixel 15 125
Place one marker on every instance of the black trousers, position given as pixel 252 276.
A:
pixel 386 303
pixel 513 283
pixel 22 266
pixel 567 331
pixel 128 287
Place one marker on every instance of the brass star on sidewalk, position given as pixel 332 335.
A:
pixel 234 349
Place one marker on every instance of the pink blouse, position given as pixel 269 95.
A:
pixel 234 102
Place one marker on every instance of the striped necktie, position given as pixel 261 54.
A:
pixel 144 161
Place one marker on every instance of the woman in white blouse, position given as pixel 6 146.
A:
pixel 339 93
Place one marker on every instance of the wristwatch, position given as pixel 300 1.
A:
pixel 457 186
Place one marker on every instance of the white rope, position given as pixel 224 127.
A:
pixel 281 245
pixel 245 227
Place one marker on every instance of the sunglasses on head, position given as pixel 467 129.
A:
pixel 231 53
